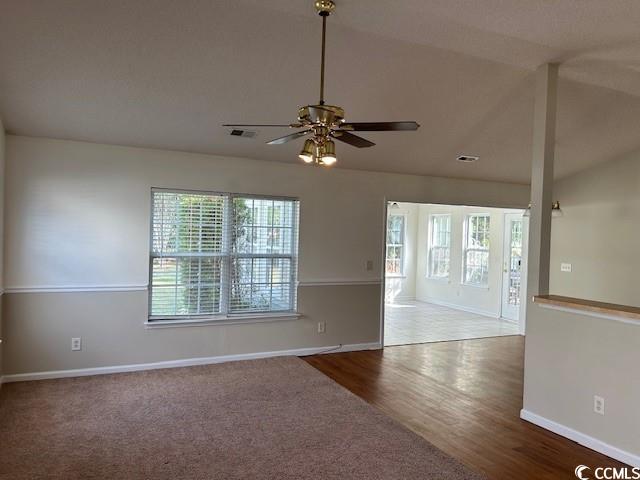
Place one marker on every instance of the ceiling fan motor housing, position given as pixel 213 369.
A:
pixel 327 115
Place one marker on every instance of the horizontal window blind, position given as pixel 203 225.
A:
pixel 221 254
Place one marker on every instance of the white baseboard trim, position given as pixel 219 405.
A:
pixel 582 439
pixel 477 311
pixel 187 362
pixel 509 320
pixel 402 299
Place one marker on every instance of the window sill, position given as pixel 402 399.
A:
pixel 439 279
pixel 223 320
pixel 395 276
pixel 480 287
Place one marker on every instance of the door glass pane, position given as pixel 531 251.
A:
pixel 515 262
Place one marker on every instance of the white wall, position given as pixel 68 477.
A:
pixel 2 180
pixel 403 287
pixel 77 218
pixel 79 212
pixel 486 301
pixel 599 233
pixel 569 356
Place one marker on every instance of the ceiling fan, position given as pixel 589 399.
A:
pixel 326 122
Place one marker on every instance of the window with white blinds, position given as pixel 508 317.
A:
pixel 476 250
pixel 221 254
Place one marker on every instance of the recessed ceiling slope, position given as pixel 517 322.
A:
pixel 588 36
pixel 165 74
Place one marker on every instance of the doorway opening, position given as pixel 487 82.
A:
pixel 453 273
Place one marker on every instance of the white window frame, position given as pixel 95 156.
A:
pixel 402 245
pixel 431 247
pixel 228 255
pixel 466 249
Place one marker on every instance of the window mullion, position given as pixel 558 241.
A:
pixel 293 263
pixel 198 303
pixel 178 227
pixel 226 267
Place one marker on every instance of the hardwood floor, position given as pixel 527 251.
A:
pixel 464 397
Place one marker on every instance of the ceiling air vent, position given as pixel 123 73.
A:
pixel 468 158
pixel 242 133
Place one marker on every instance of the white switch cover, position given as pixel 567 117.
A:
pixel 76 344
pixel 598 404
pixel 565 267
pixel 321 327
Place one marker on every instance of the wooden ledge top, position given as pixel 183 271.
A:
pixel 609 309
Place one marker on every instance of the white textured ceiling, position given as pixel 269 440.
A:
pixel 167 74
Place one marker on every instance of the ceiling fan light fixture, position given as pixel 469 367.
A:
pixel 308 151
pixel 328 153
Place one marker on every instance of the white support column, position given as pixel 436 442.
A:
pixel 544 139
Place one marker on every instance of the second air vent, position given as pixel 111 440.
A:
pixel 242 133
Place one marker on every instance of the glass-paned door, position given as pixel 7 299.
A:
pixel 512 266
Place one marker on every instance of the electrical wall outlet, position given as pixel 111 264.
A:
pixel 565 267
pixel 369 265
pixel 321 327
pixel 76 344
pixel 598 405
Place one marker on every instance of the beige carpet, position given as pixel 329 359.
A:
pixel 264 419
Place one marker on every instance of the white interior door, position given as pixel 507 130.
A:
pixel 512 266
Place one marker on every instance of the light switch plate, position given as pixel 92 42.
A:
pixel 76 344
pixel 598 404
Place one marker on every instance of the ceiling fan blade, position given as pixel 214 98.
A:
pixel 248 125
pixel 288 138
pixel 380 126
pixel 352 139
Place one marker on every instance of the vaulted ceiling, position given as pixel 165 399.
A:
pixel 166 74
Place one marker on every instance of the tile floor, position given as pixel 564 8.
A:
pixel 420 322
